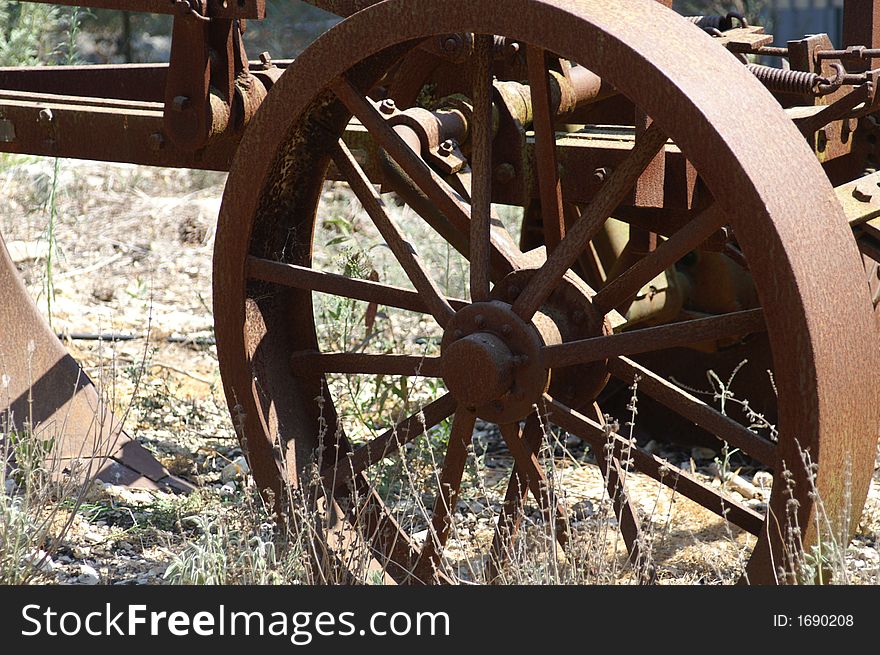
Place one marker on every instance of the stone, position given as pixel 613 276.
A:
pixel 763 480
pixel 703 454
pixel 652 447
pixel 88 575
pixel 742 486
pixel 582 510
pixel 228 489
pixel 42 561
pixel 235 470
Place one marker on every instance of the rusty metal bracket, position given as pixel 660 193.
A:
pixel 209 88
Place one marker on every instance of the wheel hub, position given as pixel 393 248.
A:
pixel 573 317
pixel 478 368
pixel 491 361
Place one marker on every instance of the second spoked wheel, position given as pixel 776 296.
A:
pixel 524 343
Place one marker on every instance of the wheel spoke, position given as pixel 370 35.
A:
pixel 311 362
pixel 338 473
pixel 684 483
pixel 403 250
pixel 611 194
pixel 510 517
pixel 450 482
pixel 549 184
pixel 673 335
pixel 530 468
pixel 302 277
pixel 481 164
pixel 381 531
pixel 620 290
pixel 694 409
pixel 504 253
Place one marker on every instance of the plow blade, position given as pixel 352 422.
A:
pixel 46 395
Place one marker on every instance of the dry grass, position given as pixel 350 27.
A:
pixel 136 244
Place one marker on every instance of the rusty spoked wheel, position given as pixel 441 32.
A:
pixel 530 344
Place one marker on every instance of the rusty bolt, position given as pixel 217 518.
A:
pixel 864 191
pixel 458 334
pixel 447 147
pixel 600 175
pixel 180 103
pixel 266 59
pixel 506 330
pixel 45 116
pixel 479 320
pixel 505 173
pixel 387 106
pixel 157 141
pixel 452 43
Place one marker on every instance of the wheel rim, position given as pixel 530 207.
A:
pixel 818 329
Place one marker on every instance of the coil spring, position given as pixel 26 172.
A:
pixel 780 80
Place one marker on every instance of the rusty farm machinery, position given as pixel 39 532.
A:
pixel 687 197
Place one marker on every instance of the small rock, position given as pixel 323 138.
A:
pixel 88 575
pixel 652 447
pixel 742 486
pixel 756 504
pixel 869 555
pixel 582 510
pixel 93 537
pixel 703 454
pixel 141 251
pixel 735 482
pixel 236 469
pixel 103 291
pixel 192 231
pixel 81 552
pixel 42 560
pixel 228 489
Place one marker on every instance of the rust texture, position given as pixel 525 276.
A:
pixel 662 236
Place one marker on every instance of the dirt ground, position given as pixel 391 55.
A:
pixel 133 257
